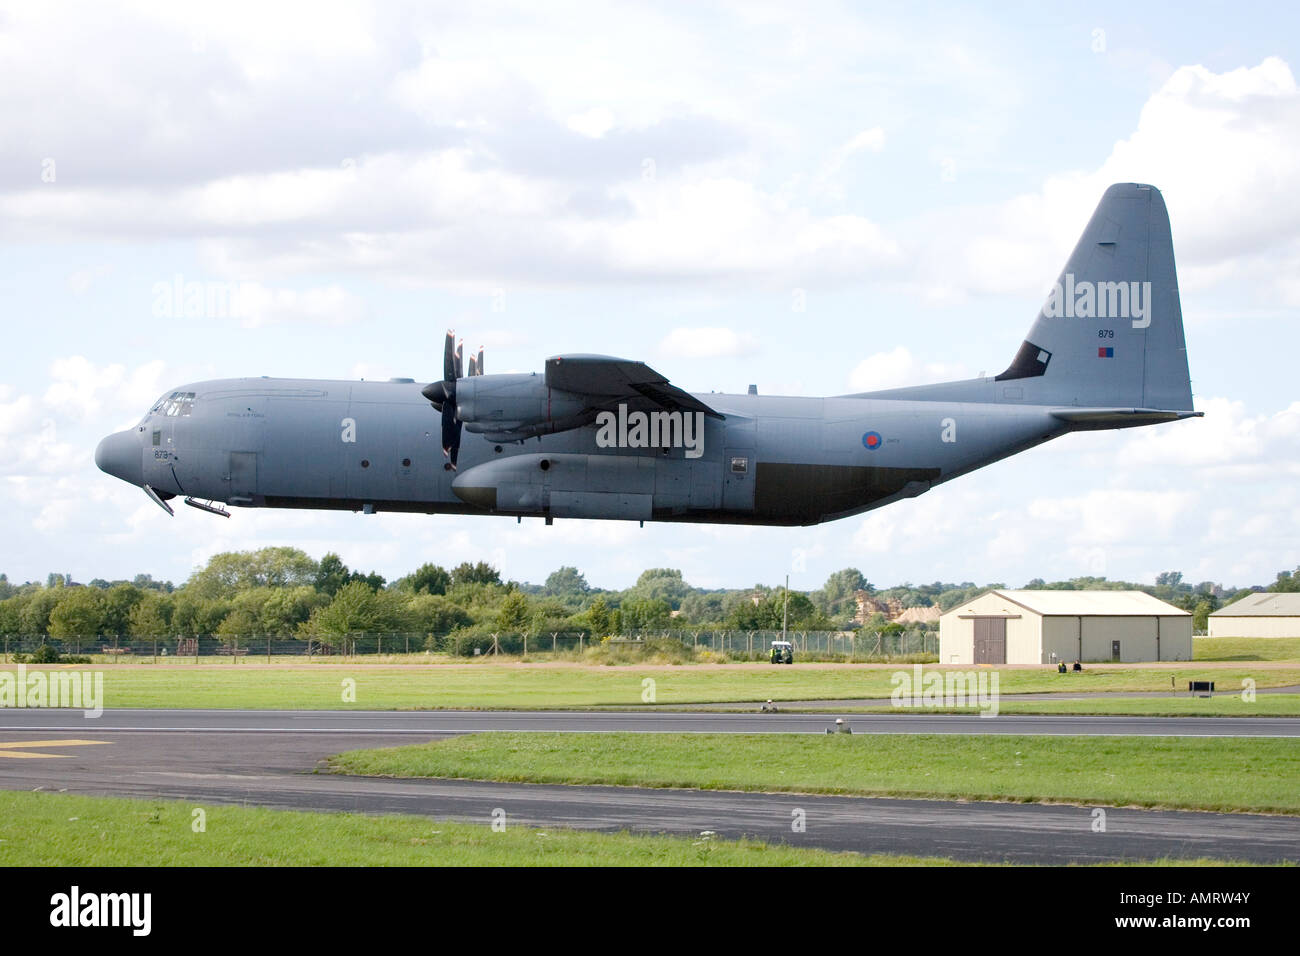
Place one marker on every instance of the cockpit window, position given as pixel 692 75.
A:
pixel 174 405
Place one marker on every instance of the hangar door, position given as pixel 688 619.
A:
pixel 990 640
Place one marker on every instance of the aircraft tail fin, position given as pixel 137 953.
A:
pixel 1111 331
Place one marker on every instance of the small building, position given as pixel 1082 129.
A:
pixel 1045 627
pixel 1265 614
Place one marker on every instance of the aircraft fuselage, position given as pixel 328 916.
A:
pixel 375 446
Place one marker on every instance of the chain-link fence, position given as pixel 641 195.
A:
pixel 728 644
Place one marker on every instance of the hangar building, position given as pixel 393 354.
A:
pixel 1029 627
pixel 1267 614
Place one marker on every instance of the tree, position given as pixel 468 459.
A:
pixel 662 584
pixel 118 602
pixel 239 624
pixel 148 618
pixel 11 615
pixel 228 573
pixel 598 618
pixel 480 573
pixel 703 607
pixel 837 594
pixel 434 614
pixel 285 609
pixel 353 611
pixel 1286 581
pixel 566 582
pixel 79 614
pixel 1169 579
pixel 513 614
pixel 35 617
pixel 1201 615
pixel 331 574
pixel 649 614
pixel 430 579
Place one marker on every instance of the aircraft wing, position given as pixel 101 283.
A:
pixel 607 382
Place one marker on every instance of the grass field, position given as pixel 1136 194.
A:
pixel 557 686
pixel 105 831
pixel 1230 774
pixel 1246 648
pixel 1223 705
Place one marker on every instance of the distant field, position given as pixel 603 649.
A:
pixel 557 686
pixel 1225 774
pixel 1221 705
pixel 1246 648
pixel 48 829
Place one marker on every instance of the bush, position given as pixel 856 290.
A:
pixel 47 654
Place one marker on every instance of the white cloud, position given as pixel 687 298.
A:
pixel 899 367
pixel 1211 142
pixel 707 342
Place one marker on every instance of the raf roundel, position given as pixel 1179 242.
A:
pixel 871 441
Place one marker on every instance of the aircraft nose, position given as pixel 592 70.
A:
pixel 119 455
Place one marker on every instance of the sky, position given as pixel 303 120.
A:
pixel 816 198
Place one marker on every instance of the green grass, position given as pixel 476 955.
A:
pixel 42 829
pixel 1222 705
pixel 1246 648
pixel 528 686
pixel 1258 774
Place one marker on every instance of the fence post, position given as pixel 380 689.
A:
pixel 155 650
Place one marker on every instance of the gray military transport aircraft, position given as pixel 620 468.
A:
pixel 600 437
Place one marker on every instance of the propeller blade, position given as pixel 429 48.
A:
pixel 449 358
pixel 450 433
pixel 460 352
pixel 472 369
pixel 480 360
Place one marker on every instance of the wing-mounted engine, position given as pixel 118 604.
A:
pixel 571 393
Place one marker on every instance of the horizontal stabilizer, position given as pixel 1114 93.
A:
pixel 1084 419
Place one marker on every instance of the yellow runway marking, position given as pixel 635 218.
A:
pixel 12 749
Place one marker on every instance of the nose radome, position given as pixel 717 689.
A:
pixel 119 455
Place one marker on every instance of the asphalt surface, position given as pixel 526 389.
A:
pixel 267 758
pixel 475 721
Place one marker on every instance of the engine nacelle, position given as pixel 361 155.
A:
pixel 510 407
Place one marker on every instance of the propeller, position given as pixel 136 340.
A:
pixel 442 395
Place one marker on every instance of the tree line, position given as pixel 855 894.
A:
pixel 283 592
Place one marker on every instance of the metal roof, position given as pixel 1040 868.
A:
pixel 1102 603
pixel 1263 604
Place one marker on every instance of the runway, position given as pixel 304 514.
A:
pixel 267 758
pixel 647 720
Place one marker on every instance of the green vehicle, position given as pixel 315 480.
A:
pixel 782 652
